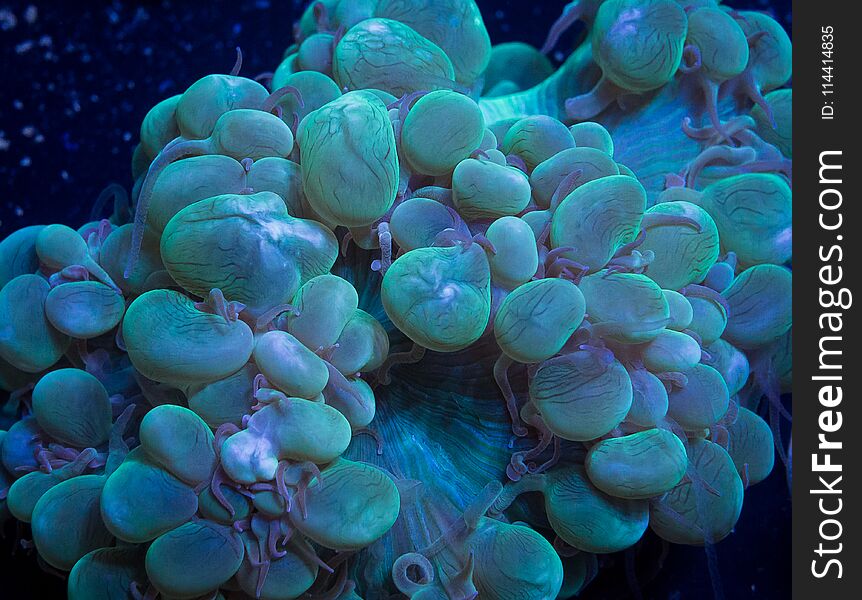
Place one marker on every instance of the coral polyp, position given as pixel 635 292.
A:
pixel 422 317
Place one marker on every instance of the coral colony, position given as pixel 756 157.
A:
pixel 414 315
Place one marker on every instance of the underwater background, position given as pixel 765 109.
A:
pixel 78 77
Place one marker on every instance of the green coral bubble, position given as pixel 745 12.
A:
pixel 641 465
pixel 207 99
pixel 211 508
pixel 59 247
pixel 184 182
pixel 754 216
pixel 169 340
pixel 106 573
pixel 770 60
pixel 731 362
pixel 363 345
pixel 115 255
pixel 441 129
pixel 72 406
pixel 352 505
pixel 536 139
pixel 287 577
pixel 597 218
pixel 324 305
pixel 684 239
pixel 649 399
pixel 513 561
pixel 671 351
pixel 180 441
pixel 537 318
pixel 463 38
pixel 705 517
pixel 84 309
pixel 516 259
pixel 587 518
pixel 349 160
pixel 751 446
pixel 348 14
pixel 353 398
pixel 580 396
pixel 627 307
pixel 212 242
pixel 66 521
pixel 315 53
pixel 141 500
pixel 760 300
pixel 284 178
pixel 701 401
pixel 390 56
pixel 681 312
pixel 590 134
pixel 24 493
pixel 193 559
pixel 548 175
pixel 439 297
pixel 482 189
pixel 709 318
pixel 160 126
pixel 781 135
pixel 18 253
pixel 289 366
pixel 20 444
pixel 28 341
pixel 638 44
pixel 416 222
pixel 721 42
pixel 315 88
pixel 226 400
pixel 284 428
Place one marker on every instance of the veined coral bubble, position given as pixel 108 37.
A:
pixel 358 316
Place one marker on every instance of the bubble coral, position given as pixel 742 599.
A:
pixel 298 372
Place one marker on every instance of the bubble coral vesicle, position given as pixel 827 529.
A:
pixel 357 315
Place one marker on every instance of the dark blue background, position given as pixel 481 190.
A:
pixel 77 78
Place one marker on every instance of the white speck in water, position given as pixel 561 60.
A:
pixel 7 20
pixel 31 13
pixel 24 47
